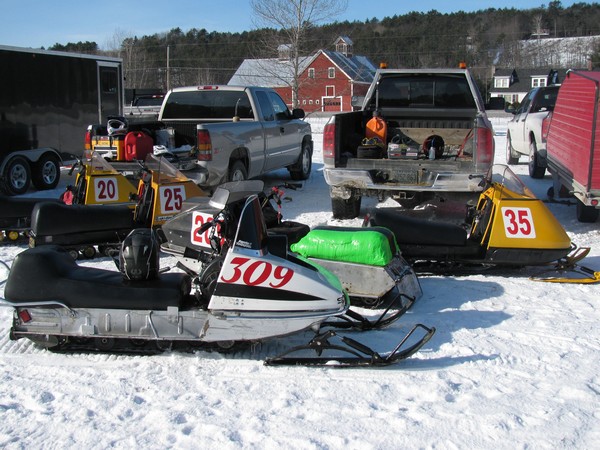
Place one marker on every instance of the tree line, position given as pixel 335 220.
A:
pixel 483 39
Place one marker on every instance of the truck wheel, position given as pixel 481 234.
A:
pixel 46 173
pixel 17 175
pixel 237 171
pixel 587 214
pixel 511 159
pixel 301 170
pixel 536 170
pixel 345 209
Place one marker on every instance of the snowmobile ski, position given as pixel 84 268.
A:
pixel 350 353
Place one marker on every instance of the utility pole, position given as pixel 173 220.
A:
pixel 168 68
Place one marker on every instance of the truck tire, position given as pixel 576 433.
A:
pixel 46 172
pixel 586 214
pixel 511 159
pixel 17 175
pixel 301 170
pixel 345 209
pixel 237 171
pixel 536 170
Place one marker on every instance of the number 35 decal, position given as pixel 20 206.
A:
pixel 254 272
pixel 518 223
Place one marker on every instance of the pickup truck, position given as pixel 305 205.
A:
pixel 147 106
pixel 524 133
pixel 433 138
pixel 223 133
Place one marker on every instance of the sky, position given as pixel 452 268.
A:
pixel 40 23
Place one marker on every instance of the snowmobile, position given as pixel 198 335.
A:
pixel 254 291
pixel 15 217
pixel 508 227
pixel 204 228
pixel 82 227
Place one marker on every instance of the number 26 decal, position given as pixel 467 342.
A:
pixel 258 273
pixel 518 223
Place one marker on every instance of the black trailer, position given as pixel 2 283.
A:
pixel 47 99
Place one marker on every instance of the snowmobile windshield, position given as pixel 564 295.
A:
pixel 252 231
pixel 504 176
pixel 161 166
pixel 234 191
pixel 99 164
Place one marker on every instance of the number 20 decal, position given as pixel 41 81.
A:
pixel 258 273
pixel 518 223
pixel 105 189
pixel 171 198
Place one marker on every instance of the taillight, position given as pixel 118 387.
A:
pixel 204 146
pixel 546 126
pixel 87 144
pixel 485 146
pixel 329 140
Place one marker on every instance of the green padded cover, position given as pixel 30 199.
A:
pixel 362 246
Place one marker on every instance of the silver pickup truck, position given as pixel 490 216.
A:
pixel 236 133
pixel 420 133
pixel 215 134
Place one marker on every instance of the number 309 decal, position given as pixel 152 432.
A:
pixel 518 223
pixel 258 273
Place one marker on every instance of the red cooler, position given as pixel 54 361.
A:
pixel 137 145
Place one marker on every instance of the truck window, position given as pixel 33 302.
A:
pixel 213 104
pixel 265 106
pixel 427 91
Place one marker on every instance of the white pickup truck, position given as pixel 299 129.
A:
pixel 524 133
pixel 225 133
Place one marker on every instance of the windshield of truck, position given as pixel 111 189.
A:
pixel 425 91
pixel 207 104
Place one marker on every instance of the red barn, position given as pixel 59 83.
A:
pixel 328 81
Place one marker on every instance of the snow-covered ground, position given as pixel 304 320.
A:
pixel 514 364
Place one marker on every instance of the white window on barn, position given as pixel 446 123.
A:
pixel 331 72
pixel 538 82
pixel 311 73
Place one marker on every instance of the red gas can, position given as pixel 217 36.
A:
pixel 137 145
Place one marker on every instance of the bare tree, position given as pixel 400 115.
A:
pixel 292 20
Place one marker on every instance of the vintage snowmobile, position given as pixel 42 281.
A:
pixel 205 226
pixel 254 291
pixel 15 217
pixel 508 227
pixel 81 227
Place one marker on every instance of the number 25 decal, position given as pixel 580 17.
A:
pixel 258 273
pixel 171 198
pixel 518 223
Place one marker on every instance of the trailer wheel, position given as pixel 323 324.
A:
pixel 17 176
pixel 586 214
pixel 46 172
pixel 345 209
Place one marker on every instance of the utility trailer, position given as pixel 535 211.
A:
pixel 47 98
pixel 573 143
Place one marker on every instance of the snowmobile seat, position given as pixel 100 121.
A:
pixel 16 212
pixel 48 219
pixel 49 273
pixel 410 230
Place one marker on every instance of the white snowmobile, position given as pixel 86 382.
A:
pixel 255 290
pixel 205 225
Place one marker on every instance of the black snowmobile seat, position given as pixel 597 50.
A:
pixel 48 219
pixel 49 273
pixel 410 230
pixel 16 212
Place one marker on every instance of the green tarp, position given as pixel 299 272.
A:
pixel 362 246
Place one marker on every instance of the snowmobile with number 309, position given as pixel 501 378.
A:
pixel 259 291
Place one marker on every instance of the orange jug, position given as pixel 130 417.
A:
pixel 376 127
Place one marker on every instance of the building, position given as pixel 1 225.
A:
pixel 328 80
pixel 514 84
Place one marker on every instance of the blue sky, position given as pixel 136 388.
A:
pixel 43 23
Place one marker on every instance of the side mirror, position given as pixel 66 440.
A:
pixel 298 113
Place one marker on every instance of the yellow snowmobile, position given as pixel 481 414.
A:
pixel 508 226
